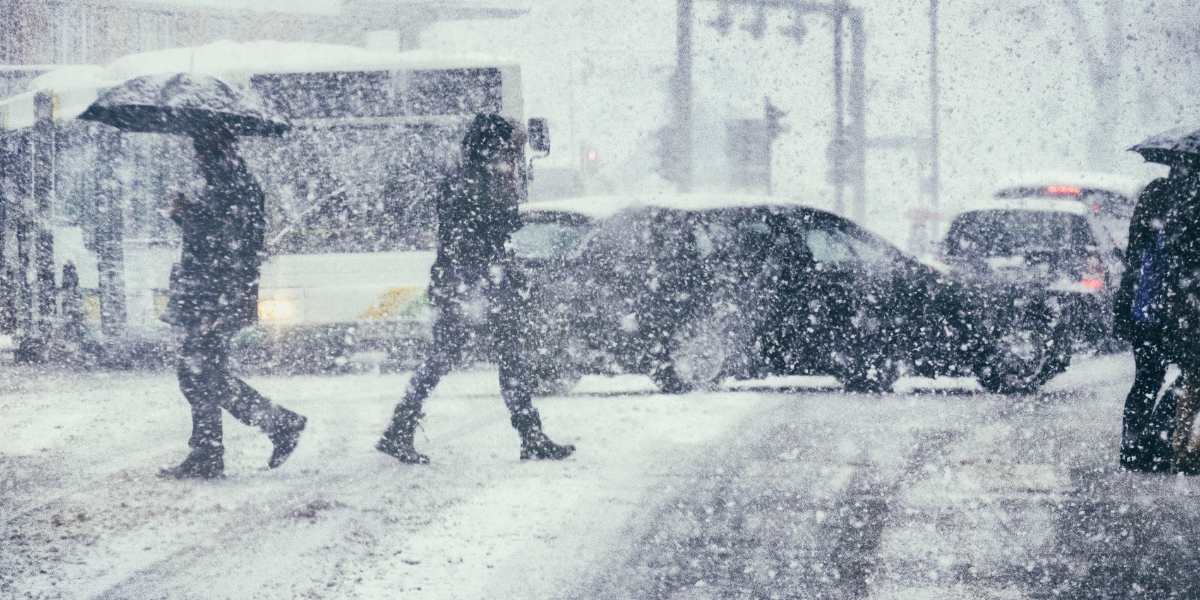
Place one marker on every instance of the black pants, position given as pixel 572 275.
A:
pixel 204 379
pixel 460 314
pixel 1147 429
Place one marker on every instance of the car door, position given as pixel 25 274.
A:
pixel 823 306
pixel 617 283
pixel 884 308
pixel 550 247
pixel 645 269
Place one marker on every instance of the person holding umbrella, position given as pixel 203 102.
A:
pixel 1157 308
pixel 474 282
pixel 214 287
pixel 1147 423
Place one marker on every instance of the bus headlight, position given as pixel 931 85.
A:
pixel 275 309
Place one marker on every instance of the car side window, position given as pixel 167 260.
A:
pixel 870 253
pixel 830 247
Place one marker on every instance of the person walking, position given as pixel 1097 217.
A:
pixel 474 282
pixel 1148 421
pixel 214 294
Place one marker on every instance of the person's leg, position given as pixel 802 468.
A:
pixel 281 425
pixel 1151 367
pixel 1161 427
pixel 1184 457
pixel 202 386
pixel 514 378
pixel 250 407
pixel 445 349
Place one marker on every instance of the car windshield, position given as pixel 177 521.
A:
pixel 990 233
pixel 545 237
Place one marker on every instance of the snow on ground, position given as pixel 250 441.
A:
pixel 84 515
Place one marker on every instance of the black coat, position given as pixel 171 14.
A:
pixel 216 280
pixel 477 214
pixel 1148 216
pixel 1170 206
pixel 1181 331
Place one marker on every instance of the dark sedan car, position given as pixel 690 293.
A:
pixel 693 289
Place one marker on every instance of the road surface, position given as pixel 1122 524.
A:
pixel 776 489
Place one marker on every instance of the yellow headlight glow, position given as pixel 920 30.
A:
pixel 275 309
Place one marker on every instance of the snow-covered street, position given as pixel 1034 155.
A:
pixel 762 491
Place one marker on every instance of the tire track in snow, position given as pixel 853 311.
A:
pixel 796 508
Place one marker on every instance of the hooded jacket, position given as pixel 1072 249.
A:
pixel 476 209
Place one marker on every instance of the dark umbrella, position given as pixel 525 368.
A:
pixel 184 103
pixel 1166 147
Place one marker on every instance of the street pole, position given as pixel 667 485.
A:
pixel 847 151
pixel 44 296
pixel 934 119
pixel 681 95
pixel 857 111
pixel 839 123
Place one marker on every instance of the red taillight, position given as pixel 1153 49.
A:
pixel 1062 190
pixel 1095 284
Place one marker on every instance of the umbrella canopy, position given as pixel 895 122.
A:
pixel 1166 147
pixel 184 103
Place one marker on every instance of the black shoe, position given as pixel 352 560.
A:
pixel 200 464
pixel 285 436
pixel 534 442
pixel 541 448
pixel 406 454
pixel 397 441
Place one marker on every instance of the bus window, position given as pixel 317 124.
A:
pixel 351 94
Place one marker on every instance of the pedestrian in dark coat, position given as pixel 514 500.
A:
pixel 475 282
pixel 1179 299
pixel 1148 421
pixel 214 294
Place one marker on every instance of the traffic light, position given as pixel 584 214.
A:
pixel 591 160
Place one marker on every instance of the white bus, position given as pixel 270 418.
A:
pixel 349 190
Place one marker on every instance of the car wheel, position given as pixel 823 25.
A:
pixel 554 370
pixel 1024 357
pixel 700 350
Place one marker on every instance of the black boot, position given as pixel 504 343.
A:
pixel 534 443
pixel 202 463
pixel 397 441
pixel 285 434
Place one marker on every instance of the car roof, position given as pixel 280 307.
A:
pixel 1029 204
pixel 601 207
pixel 1129 187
